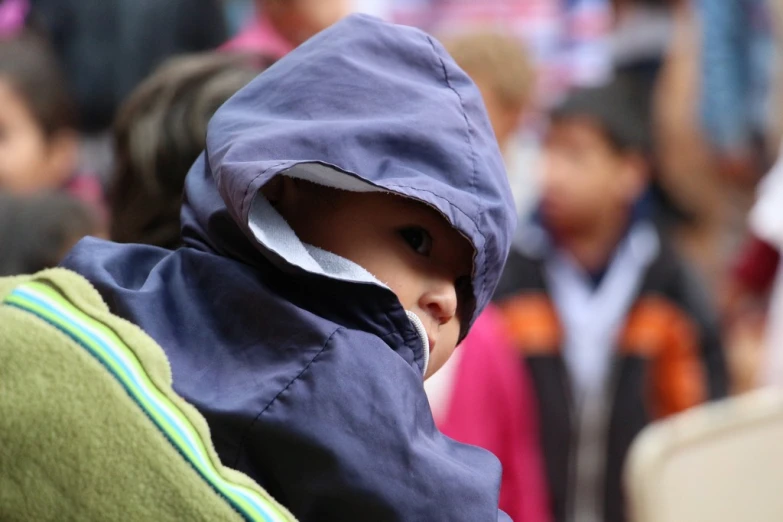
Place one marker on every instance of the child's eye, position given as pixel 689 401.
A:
pixel 418 239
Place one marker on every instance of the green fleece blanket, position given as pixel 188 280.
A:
pixel 90 428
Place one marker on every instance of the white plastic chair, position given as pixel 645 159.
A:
pixel 718 463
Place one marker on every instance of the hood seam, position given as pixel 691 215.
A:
pixel 449 203
pixel 468 133
pixel 469 140
pixel 244 213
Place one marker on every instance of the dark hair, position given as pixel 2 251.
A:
pixel 160 131
pixel 28 65
pixel 614 112
pixel 36 231
pixel 610 108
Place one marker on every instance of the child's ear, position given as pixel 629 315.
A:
pixel 63 156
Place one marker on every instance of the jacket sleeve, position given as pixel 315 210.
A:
pixel 352 438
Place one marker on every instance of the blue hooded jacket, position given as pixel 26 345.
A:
pixel 307 369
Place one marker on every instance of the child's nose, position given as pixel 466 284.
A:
pixel 440 301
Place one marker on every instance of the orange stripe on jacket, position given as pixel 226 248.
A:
pixel 533 324
pixel 657 329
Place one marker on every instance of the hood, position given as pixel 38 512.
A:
pixel 364 105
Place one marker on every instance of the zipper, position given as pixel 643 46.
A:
pixel 612 390
pixel 610 394
pixel 425 342
pixel 573 428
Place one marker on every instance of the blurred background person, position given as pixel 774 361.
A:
pixel 736 76
pixel 160 131
pixel 506 78
pixel 568 40
pixel 108 46
pixel 741 111
pixel 612 325
pixel 36 231
pixel 38 136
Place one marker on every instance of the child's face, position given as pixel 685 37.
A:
pixel 586 180
pixel 405 244
pixel 29 160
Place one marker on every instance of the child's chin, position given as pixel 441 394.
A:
pixel 438 359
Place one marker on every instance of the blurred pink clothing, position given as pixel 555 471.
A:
pixel 12 16
pixel 260 37
pixel 88 190
pixel 492 406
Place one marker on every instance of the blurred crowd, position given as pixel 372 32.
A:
pixel 641 139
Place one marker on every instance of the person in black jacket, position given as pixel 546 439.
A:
pixel 610 321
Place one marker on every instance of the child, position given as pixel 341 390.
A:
pixel 345 226
pixel 160 131
pixel 614 330
pixel 38 141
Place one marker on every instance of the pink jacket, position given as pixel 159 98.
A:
pixel 492 406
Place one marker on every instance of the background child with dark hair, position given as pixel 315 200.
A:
pixel 160 131
pixel 614 330
pixel 38 140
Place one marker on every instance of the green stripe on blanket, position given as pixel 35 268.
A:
pixel 102 342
